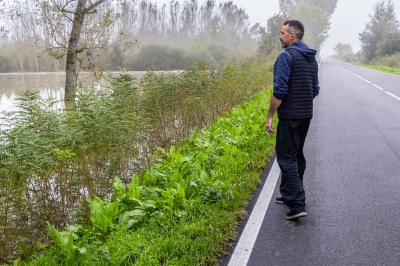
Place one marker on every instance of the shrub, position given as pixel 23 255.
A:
pixel 183 209
pixel 51 162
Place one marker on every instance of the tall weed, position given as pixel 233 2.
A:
pixel 51 162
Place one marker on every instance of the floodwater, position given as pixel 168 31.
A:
pixel 48 84
pixel 55 199
pixel 22 219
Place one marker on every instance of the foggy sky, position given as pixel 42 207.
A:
pixel 347 22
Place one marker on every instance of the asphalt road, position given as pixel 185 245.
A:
pixel 352 180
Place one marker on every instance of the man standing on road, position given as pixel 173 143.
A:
pixel 295 86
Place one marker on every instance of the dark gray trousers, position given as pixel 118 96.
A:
pixel 290 138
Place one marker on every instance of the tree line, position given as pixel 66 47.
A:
pixel 224 22
pixel 314 14
pixel 104 34
pixel 381 35
pixel 112 33
pixel 380 38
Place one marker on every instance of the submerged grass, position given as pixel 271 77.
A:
pixel 185 209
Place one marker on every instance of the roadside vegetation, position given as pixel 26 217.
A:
pixel 384 68
pixel 184 209
pixel 51 162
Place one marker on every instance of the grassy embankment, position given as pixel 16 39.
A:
pixel 182 211
pixel 388 69
pixel 185 208
pixel 388 63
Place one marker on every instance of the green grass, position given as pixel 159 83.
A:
pixel 185 209
pixel 72 155
pixel 388 69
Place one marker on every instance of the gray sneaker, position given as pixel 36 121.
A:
pixel 293 215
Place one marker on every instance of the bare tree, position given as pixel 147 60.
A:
pixel 76 33
pixel 314 14
pixel 25 31
pixel 64 21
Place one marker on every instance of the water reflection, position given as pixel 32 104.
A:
pixel 58 195
pixel 49 85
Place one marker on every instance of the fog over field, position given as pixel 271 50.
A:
pixel 348 19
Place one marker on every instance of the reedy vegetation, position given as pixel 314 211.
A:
pixel 51 162
pixel 181 211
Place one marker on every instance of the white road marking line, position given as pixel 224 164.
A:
pixel 376 86
pixel 373 84
pixel 244 247
pixel 393 95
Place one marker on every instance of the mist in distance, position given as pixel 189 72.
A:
pixel 347 22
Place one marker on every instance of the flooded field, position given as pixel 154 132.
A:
pixel 49 85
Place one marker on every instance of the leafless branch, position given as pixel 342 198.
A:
pixel 93 6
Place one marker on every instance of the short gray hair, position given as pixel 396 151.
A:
pixel 296 27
